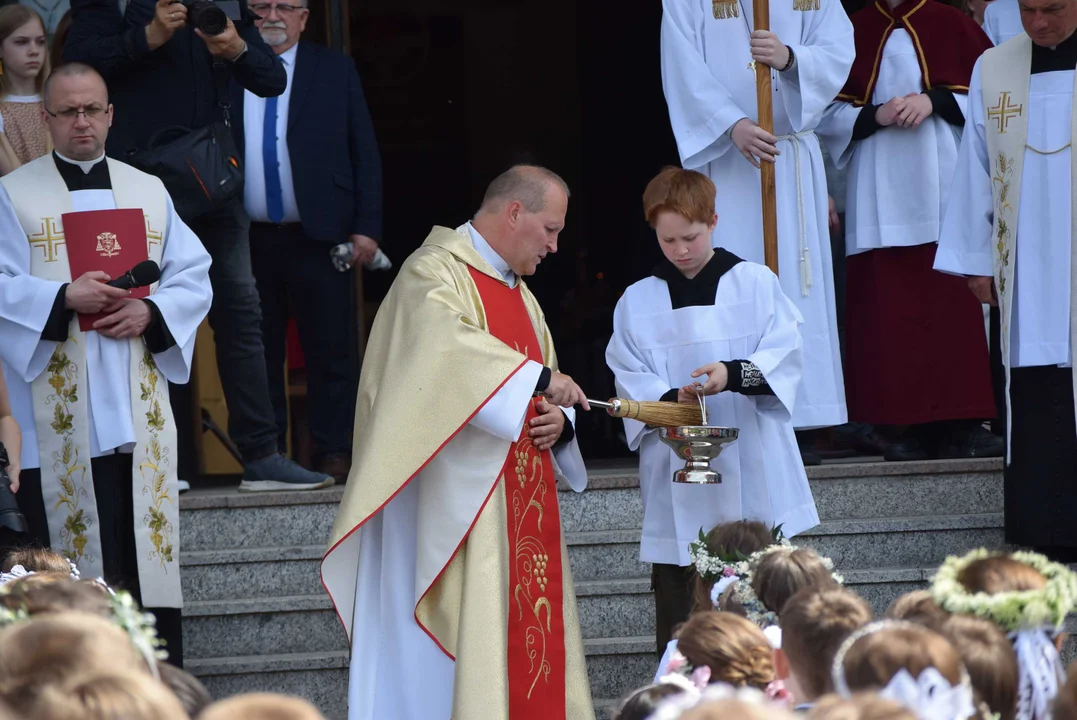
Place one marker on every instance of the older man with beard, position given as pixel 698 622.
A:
pixel 313 182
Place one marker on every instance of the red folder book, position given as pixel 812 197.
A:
pixel 112 241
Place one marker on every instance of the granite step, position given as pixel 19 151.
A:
pixel 321 677
pixel 841 492
pixel 263 626
pixel 852 544
pixel 209 575
pixel 615 666
pixel 226 520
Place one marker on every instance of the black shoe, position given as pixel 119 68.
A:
pixel 908 449
pixel 810 458
pixel 972 441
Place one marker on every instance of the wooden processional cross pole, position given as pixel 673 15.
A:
pixel 765 100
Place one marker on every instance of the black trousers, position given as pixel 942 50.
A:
pixel 672 587
pixel 236 319
pixel 296 278
pixel 115 508
pixel 1039 481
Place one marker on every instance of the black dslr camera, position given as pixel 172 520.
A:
pixel 210 17
pixel 10 517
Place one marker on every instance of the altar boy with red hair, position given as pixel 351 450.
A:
pixel 897 125
pixel 707 321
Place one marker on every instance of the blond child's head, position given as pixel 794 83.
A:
pixel 108 695
pixel 736 651
pixel 53 594
pixel 679 205
pixel 782 574
pixel 36 560
pixel 52 649
pixel 643 702
pixel 739 538
pixel 918 607
pixel 990 660
pixel 862 706
pixel 261 706
pixel 815 622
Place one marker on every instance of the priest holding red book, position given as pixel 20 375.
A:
pixel 897 125
pixel 88 363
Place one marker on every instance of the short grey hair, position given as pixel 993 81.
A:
pixel 526 184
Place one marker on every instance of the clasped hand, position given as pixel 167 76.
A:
pixel 907 111
pixel 127 317
pixel 545 429
pixel 171 15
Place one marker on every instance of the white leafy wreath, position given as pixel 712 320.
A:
pixel 1012 611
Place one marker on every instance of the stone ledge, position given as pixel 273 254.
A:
pixel 231 498
pixel 257 606
pixel 333 660
pixel 251 555
pixel 903 525
pixel 595 588
pixel 619 645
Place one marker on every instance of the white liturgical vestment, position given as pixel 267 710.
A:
pixel 709 87
pixel 656 348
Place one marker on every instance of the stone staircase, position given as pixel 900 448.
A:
pixel 256 617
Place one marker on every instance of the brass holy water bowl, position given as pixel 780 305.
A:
pixel 697 445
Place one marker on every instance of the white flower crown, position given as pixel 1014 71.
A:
pixel 1012 611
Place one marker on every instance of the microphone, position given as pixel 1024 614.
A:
pixel 145 273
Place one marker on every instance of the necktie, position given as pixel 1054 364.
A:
pixel 274 199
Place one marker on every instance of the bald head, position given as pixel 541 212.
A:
pixel 522 215
pixel 73 70
pixel 76 111
pixel 525 184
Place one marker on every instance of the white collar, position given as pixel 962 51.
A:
pixel 84 164
pixel 288 56
pixel 490 256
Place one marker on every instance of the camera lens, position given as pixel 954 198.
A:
pixel 207 17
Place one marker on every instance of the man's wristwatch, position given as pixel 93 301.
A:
pixel 242 52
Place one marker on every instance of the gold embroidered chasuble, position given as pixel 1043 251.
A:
pixel 430 366
pixel 1005 77
pixel 60 395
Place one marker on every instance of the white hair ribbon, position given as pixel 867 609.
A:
pixel 1039 673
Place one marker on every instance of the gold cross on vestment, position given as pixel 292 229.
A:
pixel 1003 111
pixel 48 239
pixel 153 237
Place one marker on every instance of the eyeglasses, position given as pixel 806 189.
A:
pixel 94 112
pixel 285 9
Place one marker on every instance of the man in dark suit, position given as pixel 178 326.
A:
pixel 313 181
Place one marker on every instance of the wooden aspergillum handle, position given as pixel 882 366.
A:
pixel 765 101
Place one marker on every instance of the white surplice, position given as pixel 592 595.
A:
pixel 1002 20
pixel 655 348
pixel 386 636
pixel 709 87
pixel 899 178
pixel 1040 320
pixel 183 297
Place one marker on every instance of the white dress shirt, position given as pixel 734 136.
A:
pixel 254 111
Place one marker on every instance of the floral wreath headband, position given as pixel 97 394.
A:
pixel 141 627
pixel 930 695
pixel 736 570
pixel 1044 609
pixel 1030 617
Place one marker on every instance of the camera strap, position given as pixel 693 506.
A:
pixel 220 89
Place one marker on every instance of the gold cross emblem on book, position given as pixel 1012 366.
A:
pixel 1003 111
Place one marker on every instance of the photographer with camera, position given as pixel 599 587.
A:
pixel 168 65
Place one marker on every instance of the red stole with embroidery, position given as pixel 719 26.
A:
pixel 536 628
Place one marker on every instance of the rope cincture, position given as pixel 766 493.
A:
pixel 805 258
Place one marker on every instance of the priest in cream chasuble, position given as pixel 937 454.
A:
pixel 1009 228
pixel 709 84
pixel 447 564
pixel 99 443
